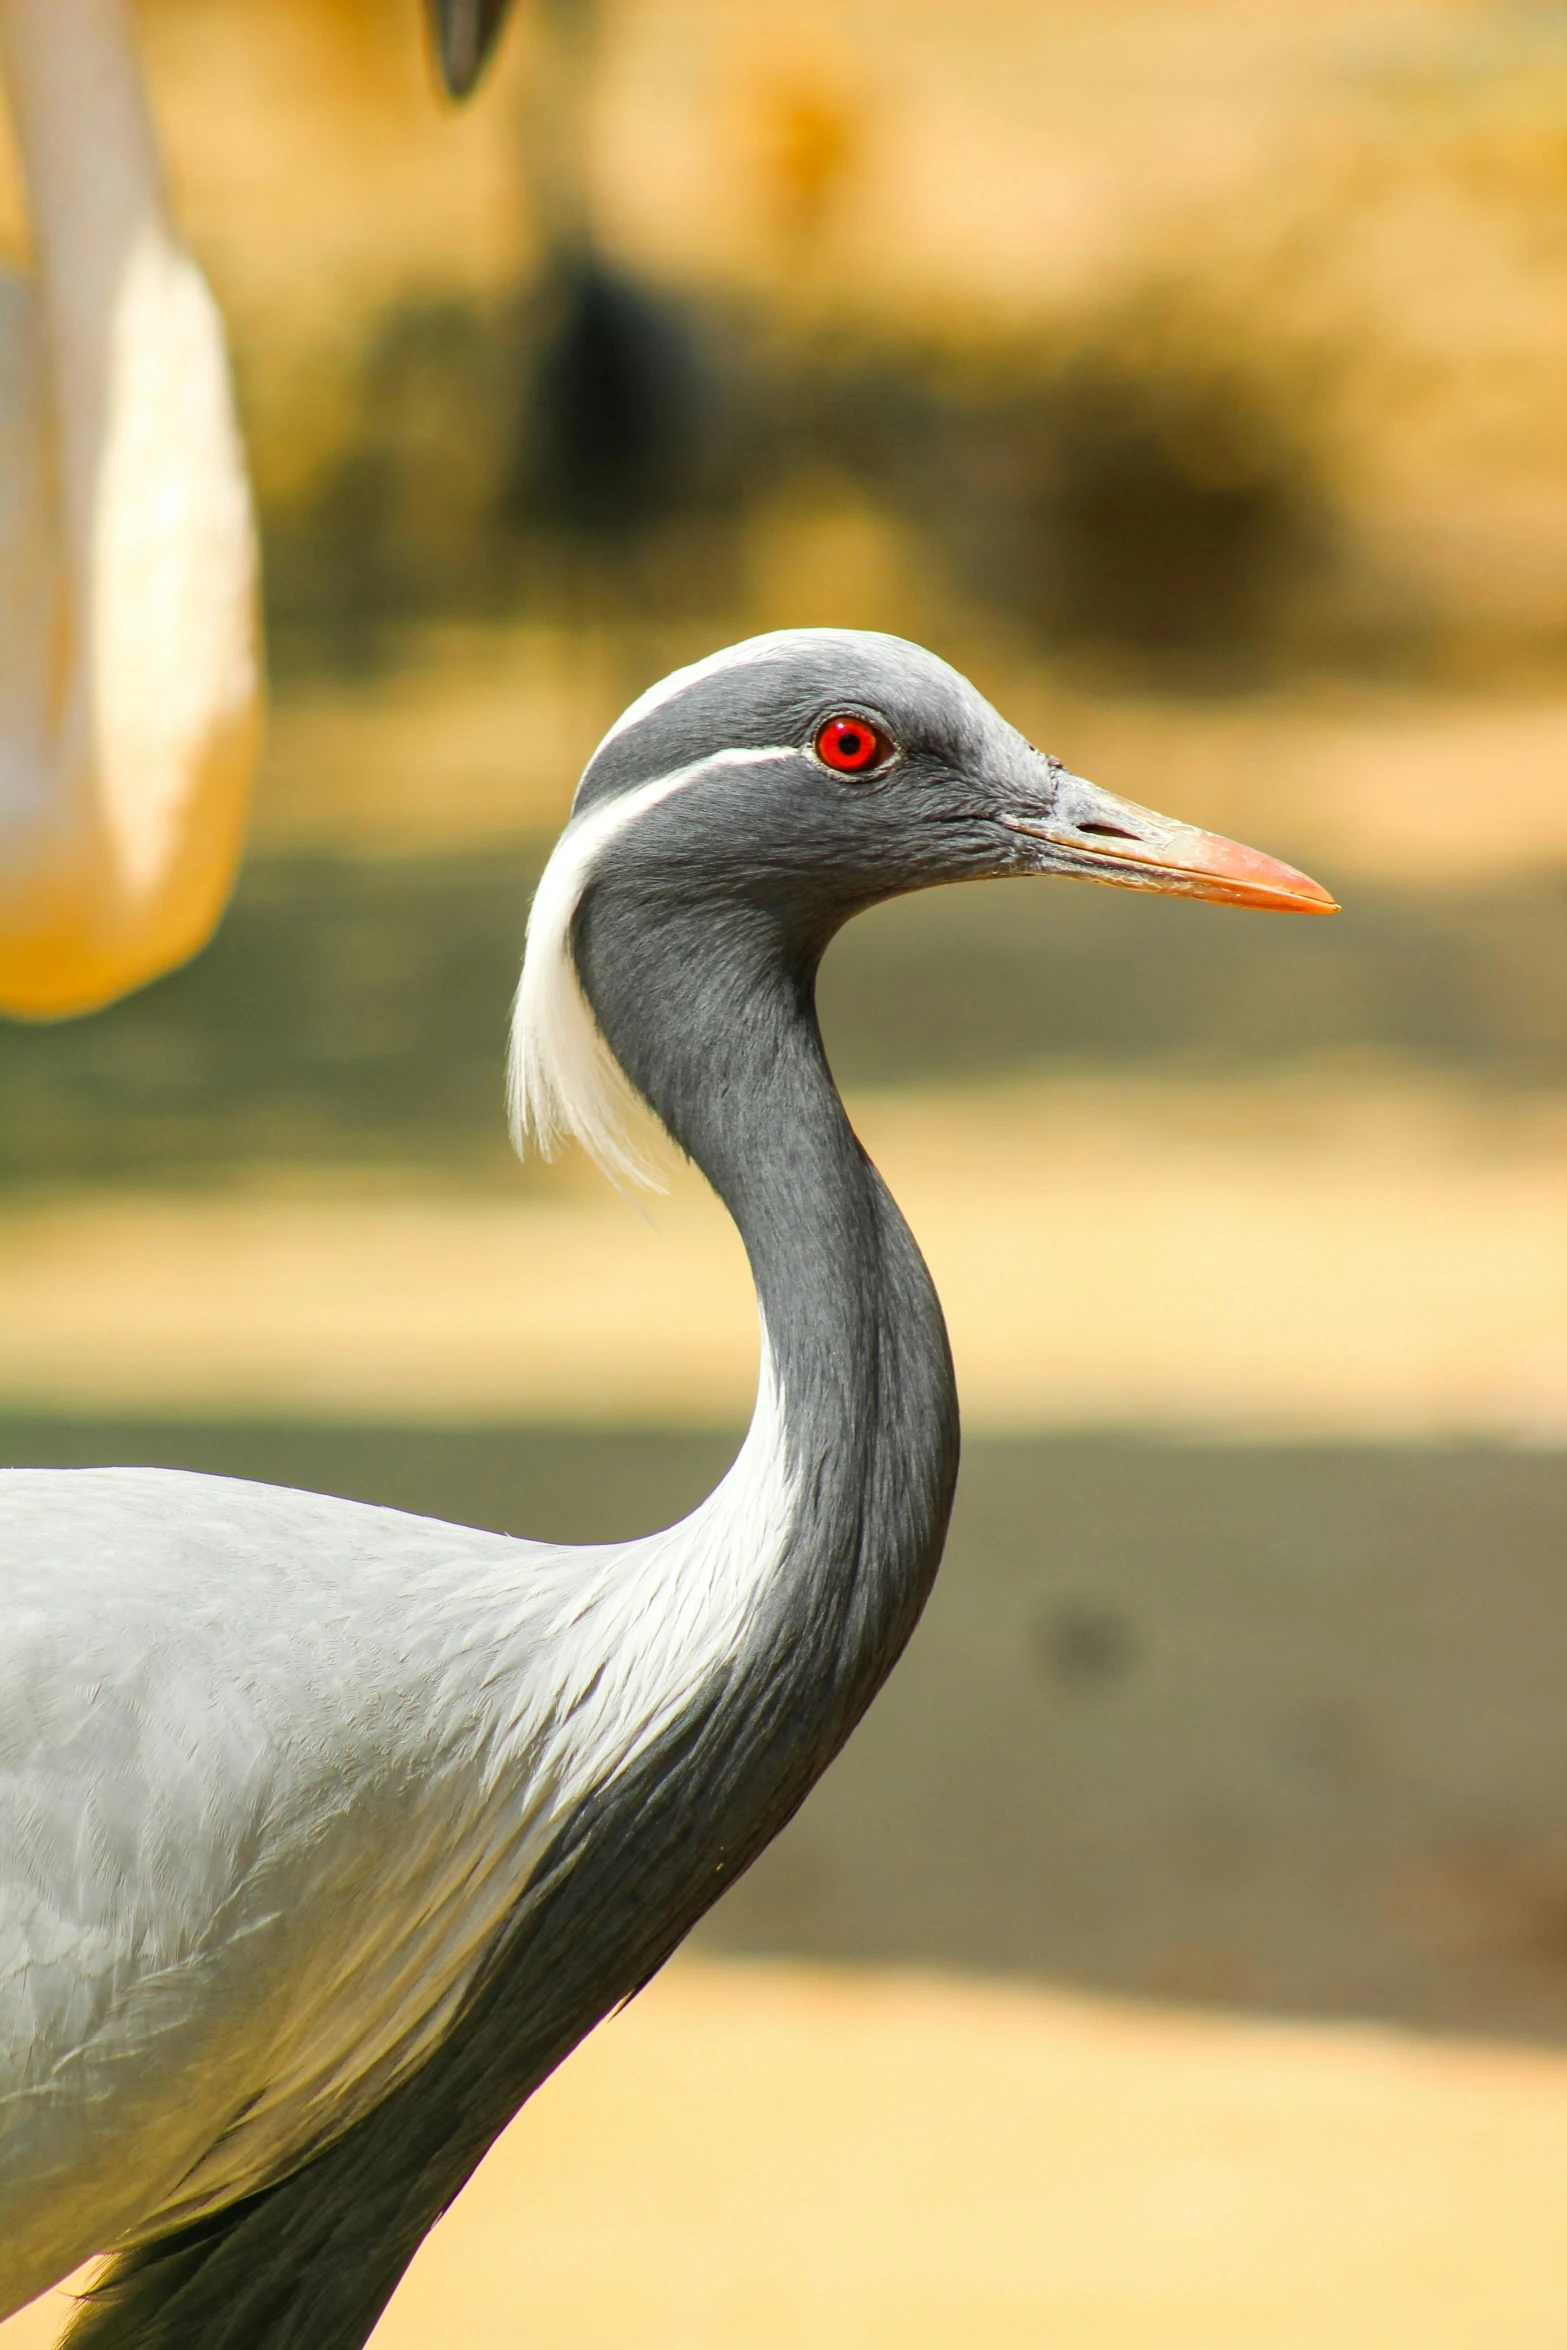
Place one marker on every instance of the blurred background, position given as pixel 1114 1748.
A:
pixel 1194 376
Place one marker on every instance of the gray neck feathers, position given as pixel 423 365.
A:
pixel 710 1010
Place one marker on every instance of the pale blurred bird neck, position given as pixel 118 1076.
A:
pixel 129 684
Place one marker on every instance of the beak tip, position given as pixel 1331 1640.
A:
pixel 1291 901
pixel 1309 897
pixel 1247 877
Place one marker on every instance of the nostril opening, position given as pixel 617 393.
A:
pixel 1110 831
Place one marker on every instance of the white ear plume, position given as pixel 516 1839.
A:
pixel 563 1078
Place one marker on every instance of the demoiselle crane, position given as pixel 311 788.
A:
pixel 326 1832
pixel 130 680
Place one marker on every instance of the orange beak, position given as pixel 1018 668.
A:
pixel 1093 836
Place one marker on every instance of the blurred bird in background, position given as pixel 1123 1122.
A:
pixel 130 663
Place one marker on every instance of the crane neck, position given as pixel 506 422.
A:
pixel 712 1015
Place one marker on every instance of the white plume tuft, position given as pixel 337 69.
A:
pixel 563 1079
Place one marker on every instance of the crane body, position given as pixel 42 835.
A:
pixel 327 1832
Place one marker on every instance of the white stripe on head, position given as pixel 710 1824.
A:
pixel 563 1079
pixel 775 646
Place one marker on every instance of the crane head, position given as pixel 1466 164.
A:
pixel 834 768
pixel 743 809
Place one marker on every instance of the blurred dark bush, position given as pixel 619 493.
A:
pixel 600 442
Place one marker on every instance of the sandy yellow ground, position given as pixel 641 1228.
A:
pixel 772 2158
pixel 1259 1258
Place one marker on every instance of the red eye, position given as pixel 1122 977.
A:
pixel 851 745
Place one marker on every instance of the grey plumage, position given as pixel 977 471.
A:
pixel 325 1832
